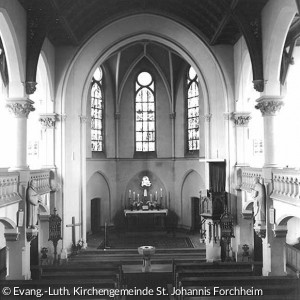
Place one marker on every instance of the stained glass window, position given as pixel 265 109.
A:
pixel 192 110
pixel 97 109
pixel 144 113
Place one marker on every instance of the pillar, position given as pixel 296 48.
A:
pixel 20 108
pixel 241 121
pixel 269 107
pixel 243 229
pixel 48 126
pixel 172 117
pixel 274 261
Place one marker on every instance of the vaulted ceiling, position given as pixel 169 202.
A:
pixel 72 22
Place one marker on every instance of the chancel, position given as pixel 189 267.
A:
pixel 129 126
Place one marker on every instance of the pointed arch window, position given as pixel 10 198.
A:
pixel 97 110
pixel 145 128
pixel 192 100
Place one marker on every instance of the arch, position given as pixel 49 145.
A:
pixel 187 175
pixel 131 68
pixel 45 60
pixel 108 189
pixel 155 28
pixel 8 223
pixel 248 205
pixel 285 218
pixel 274 40
pixel 44 210
pixel 13 53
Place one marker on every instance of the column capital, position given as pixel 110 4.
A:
pixel 269 105
pixel 12 235
pixel 30 87
pixel 241 119
pixel 62 117
pixel 279 231
pixel 20 107
pixel 47 120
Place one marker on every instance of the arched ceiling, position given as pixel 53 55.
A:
pixel 72 21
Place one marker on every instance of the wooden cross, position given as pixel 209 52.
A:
pixel 73 230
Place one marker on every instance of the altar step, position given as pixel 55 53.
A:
pixel 131 256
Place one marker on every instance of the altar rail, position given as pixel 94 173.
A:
pixel 248 174
pixel 9 188
pixel 292 257
pixel 43 180
pixel 286 186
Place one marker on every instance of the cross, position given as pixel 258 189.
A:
pixel 73 229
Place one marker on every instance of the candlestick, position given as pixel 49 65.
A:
pixel 129 193
pixel 150 197
pixel 138 197
pixel 160 192
pixel 156 195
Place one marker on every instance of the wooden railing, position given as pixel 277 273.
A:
pixel 292 257
pixel 286 186
pixel 248 174
pixel 9 188
pixel 3 263
pixel 43 180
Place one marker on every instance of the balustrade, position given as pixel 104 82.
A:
pixel 286 185
pixel 9 186
pixel 42 178
pixel 248 174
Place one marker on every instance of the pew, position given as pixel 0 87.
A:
pixel 271 287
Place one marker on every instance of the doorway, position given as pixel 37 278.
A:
pixel 95 215
pixel 195 215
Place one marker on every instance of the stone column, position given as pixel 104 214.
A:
pixel 243 229
pixel 241 121
pixel 20 108
pixel 48 125
pixel 172 117
pixel 269 107
pixel 83 121
pixel 117 121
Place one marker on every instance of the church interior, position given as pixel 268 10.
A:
pixel 152 145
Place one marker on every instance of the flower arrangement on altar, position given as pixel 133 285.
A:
pixel 77 247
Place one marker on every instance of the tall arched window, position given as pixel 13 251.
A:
pixel 192 99
pixel 97 109
pixel 144 113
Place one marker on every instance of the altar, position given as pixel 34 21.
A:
pixel 146 220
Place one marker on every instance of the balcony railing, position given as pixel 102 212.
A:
pixel 43 180
pixel 248 174
pixel 286 186
pixel 9 188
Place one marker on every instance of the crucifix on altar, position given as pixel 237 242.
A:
pixel 73 225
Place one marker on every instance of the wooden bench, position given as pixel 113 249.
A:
pixel 276 287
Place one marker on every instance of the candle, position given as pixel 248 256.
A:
pixel 145 193
pixel 129 193
pixel 133 195
pixel 150 197
pixel 160 192
pixel 138 197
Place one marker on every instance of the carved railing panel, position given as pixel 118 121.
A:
pixel 43 180
pixel 248 174
pixel 9 188
pixel 292 257
pixel 286 186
